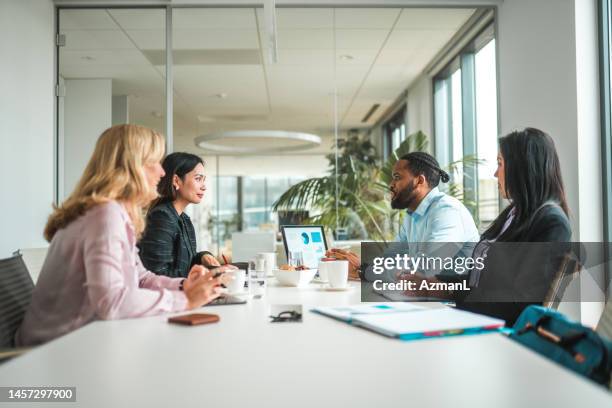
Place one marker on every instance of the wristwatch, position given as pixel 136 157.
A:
pixel 181 284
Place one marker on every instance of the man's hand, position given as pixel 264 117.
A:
pixel 351 257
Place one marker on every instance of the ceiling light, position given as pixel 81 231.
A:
pixel 305 140
pixel 88 58
pixel 221 95
pixel 157 114
pixel 347 57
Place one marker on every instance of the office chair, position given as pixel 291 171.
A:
pixel 15 294
pixel 568 271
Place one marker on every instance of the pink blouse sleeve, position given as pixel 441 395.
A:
pixel 114 288
pixel 151 280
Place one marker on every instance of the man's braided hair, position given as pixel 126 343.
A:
pixel 423 163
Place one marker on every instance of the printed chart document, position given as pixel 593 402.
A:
pixel 412 322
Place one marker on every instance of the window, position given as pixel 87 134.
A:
pixel 486 132
pixel 244 203
pixel 456 119
pixel 605 44
pixel 225 214
pixel 394 132
pixel 456 143
pixel 465 126
pixel 254 195
pixel 259 193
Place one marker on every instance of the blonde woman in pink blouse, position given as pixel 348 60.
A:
pixel 92 270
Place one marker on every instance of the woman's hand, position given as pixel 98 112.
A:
pixel 208 259
pixel 200 287
pixel 225 278
pixel 225 268
pixel 351 257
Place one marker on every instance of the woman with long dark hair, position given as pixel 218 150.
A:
pixel 168 245
pixel 520 269
pixel 529 176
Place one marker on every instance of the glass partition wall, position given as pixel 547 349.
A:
pixel 294 112
pixel 106 76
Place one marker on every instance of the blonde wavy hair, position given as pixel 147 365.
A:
pixel 115 172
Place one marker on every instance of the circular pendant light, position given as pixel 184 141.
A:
pixel 257 141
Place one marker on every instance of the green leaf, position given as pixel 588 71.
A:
pixel 417 141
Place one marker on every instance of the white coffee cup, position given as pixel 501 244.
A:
pixel 337 273
pixel 237 283
pixel 269 261
pixel 323 263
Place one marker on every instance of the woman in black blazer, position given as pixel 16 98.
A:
pixel 517 275
pixel 168 245
pixel 524 247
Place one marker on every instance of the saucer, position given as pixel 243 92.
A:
pixel 330 289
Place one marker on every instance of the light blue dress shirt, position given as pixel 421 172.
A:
pixel 439 218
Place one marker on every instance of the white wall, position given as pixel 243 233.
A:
pixel 537 78
pixel 26 122
pixel 87 112
pixel 419 107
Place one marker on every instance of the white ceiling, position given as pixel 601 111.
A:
pixel 390 48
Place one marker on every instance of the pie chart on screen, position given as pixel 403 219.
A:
pixel 305 238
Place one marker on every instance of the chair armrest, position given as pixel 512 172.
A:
pixel 8 353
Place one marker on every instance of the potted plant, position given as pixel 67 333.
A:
pixel 352 194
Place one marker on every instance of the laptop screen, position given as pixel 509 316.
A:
pixel 307 239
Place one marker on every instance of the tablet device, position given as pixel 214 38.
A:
pixel 227 300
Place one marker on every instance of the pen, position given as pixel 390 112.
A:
pixel 224 258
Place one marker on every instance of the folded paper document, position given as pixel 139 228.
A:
pixel 412 322
pixel 349 313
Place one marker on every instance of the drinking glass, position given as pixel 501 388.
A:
pixel 296 258
pixel 257 279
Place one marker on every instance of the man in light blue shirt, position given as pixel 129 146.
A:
pixel 431 217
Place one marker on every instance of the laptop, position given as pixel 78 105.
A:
pixel 307 239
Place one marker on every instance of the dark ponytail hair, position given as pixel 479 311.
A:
pixel 423 163
pixel 532 177
pixel 178 164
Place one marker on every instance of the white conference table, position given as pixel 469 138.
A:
pixel 245 361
